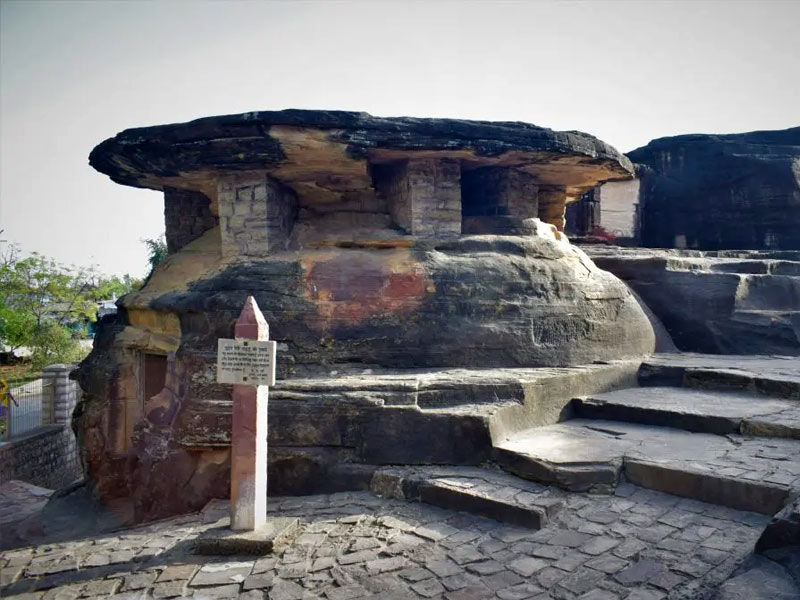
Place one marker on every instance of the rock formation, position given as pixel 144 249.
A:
pixel 722 302
pixel 371 245
pixel 709 192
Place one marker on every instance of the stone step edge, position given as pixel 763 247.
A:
pixel 696 484
pixel 774 386
pixel 589 408
pixel 708 486
pixel 596 478
pixel 392 483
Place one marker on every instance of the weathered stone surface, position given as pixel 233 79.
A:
pixel 321 428
pixel 349 232
pixel 703 411
pixel 783 530
pixel 775 376
pixel 737 471
pixel 187 216
pixel 759 579
pixel 721 191
pixel 461 304
pixel 482 492
pixel 733 302
pixel 333 145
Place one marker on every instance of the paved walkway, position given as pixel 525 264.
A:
pixel 19 500
pixel 634 545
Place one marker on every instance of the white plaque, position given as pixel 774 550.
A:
pixel 248 362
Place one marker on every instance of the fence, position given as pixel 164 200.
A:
pixel 25 408
pixel 36 441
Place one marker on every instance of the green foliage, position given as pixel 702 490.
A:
pixel 114 287
pixel 46 290
pixel 52 343
pixel 157 251
pixel 45 305
pixel 16 327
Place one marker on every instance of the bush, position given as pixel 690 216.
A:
pixel 52 343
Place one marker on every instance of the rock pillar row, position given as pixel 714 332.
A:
pixel 249 435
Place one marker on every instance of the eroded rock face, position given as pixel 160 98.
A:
pixel 721 302
pixel 350 232
pixel 721 191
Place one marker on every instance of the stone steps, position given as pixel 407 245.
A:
pixel 742 472
pixel 718 412
pixel 488 493
pixel 775 376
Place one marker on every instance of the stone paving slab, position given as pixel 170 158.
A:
pixel 634 544
pixel 484 492
pixel 735 470
pixel 695 410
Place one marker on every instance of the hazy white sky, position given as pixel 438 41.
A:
pixel 75 73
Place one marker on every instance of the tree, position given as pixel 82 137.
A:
pixel 16 327
pixel 111 288
pixel 46 305
pixel 157 250
pixel 47 290
pixel 54 343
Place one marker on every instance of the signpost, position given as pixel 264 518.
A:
pixel 248 362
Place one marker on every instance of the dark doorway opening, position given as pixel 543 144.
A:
pixel 154 374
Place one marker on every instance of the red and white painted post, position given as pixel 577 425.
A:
pixel 248 362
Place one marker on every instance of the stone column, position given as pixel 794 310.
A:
pixel 256 214
pixel 249 435
pixel 59 393
pixel 424 196
pixel 552 204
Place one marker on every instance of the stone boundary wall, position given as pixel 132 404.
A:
pixel 47 456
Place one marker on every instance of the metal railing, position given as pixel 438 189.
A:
pixel 24 407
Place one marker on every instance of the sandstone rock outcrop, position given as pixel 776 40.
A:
pixel 714 192
pixel 722 302
pixel 370 245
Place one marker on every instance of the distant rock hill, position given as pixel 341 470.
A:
pixel 713 192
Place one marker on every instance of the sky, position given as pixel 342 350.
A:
pixel 75 73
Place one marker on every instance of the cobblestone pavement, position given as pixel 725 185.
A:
pixel 635 545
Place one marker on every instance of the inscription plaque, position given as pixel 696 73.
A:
pixel 246 362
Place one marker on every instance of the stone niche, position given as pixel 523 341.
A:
pixel 391 246
pixel 496 200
